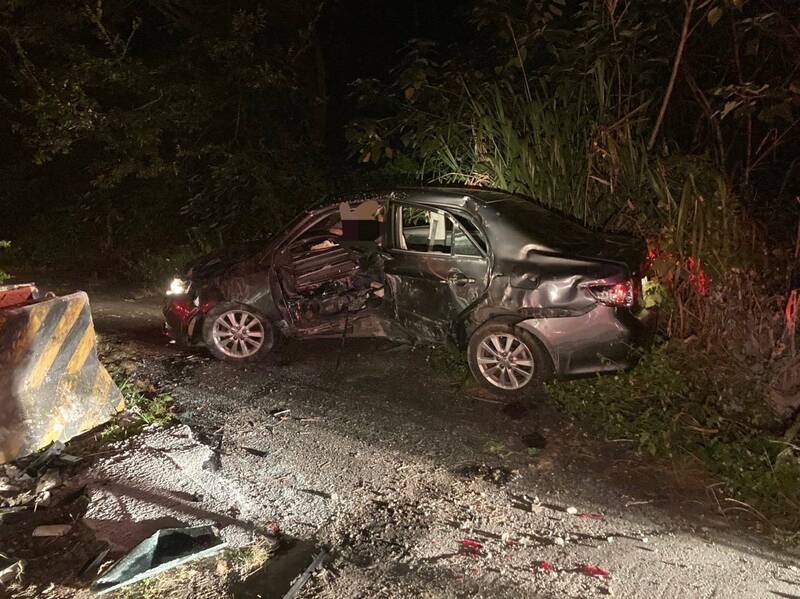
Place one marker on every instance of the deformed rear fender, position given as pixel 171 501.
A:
pixel 515 320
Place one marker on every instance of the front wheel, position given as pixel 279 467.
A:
pixel 507 360
pixel 237 333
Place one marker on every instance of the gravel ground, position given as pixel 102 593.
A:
pixel 416 487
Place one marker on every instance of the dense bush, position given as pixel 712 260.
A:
pixel 139 127
pixel 684 403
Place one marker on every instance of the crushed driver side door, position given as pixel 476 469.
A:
pixel 434 266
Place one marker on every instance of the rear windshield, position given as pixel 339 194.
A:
pixel 539 222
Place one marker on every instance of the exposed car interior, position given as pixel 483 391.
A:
pixel 426 230
pixel 329 270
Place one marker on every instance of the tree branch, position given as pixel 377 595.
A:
pixel 676 64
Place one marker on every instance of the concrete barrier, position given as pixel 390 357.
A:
pixel 52 386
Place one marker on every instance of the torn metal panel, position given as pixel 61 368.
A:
pixel 166 549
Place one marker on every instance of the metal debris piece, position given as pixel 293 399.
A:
pixel 48 455
pixel 315 565
pixel 256 452
pixel 48 481
pixel 10 569
pixel 164 550
pixel 93 565
pixel 67 459
pixel 52 530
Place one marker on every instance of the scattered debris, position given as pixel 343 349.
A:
pixel 571 510
pixel 315 565
pixel 471 546
pixel 49 480
pixel 256 452
pixel 280 413
pixel 322 494
pixel 214 461
pixel 54 450
pixel 498 475
pixel 589 516
pixel 52 530
pixel 545 566
pixel 166 549
pixel 93 565
pixel 595 571
pixel 534 440
pixel 66 459
pixel 10 569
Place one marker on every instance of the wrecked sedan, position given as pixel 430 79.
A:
pixel 528 294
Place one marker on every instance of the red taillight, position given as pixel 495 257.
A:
pixel 618 294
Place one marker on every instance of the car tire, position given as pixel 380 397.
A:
pixel 508 360
pixel 238 333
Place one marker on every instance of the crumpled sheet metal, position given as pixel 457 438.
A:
pixel 52 386
pixel 164 550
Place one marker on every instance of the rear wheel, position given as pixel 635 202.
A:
pixel 507 360
pixel 237 333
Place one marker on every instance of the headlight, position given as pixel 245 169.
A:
pixel 178 287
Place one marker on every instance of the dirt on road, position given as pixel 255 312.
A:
pixel 415 485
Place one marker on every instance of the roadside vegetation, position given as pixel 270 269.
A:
pixel 142 133
pixel 3 274
pixel 145 404
pixel 673 121
pixel 142 409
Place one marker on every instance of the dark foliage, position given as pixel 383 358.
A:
pixel 136 127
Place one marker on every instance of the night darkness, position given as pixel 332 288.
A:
pixel 371 298
pixel 365 39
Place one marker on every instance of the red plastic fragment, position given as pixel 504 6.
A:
pixel 471 545
pixel 588 516
pixel 545 565
pixel 591 570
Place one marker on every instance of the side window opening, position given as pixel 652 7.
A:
pixel 424 230
pixel 467 237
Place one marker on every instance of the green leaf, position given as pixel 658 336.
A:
pixel 714 15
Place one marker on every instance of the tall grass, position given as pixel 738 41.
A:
pixel 571 151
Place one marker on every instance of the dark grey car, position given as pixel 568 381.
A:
pixel 527 293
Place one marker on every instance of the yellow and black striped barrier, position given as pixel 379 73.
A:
pixel 52 386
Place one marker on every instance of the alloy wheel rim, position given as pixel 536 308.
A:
pixel 238 333
pixel 505 361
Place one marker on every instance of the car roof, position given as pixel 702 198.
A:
pixel 443 195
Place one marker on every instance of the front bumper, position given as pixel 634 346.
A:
pixel 180 318
pixel 605 339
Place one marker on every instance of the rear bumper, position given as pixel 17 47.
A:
pixel 605 339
